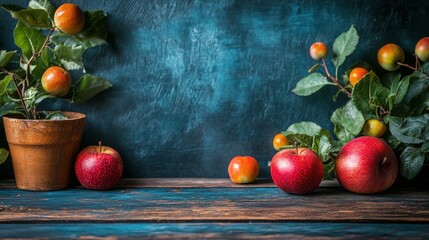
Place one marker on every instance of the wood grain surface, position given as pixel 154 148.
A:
pixel 212 208
pixel 176 203
pixel 251 230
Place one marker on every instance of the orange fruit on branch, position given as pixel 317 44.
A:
pixel 69 19
pixel 56 81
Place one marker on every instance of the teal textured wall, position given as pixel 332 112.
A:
pixel 198 82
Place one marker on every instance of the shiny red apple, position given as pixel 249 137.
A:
pixel 297 171
pixel 366 165
pixel 98 167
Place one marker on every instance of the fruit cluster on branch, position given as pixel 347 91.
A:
pixel 394 107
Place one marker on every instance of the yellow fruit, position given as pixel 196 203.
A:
pixel 374 128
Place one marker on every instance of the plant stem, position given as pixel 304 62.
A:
pixel 21 97
pixel 33 57
pixel 417 68
pixel 26 81
pixel 335 80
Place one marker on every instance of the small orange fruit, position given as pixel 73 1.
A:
pixel 56 81
pixel 356 75
pixel 243 169
pixel 389 55
pixel 422 49
pixel 69 19
pixel 279 141
pixel 318 50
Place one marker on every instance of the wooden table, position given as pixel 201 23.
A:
pixel 212 208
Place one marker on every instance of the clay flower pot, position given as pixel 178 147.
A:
pixel 43 151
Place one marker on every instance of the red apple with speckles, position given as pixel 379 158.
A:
pixel 297 171
pixel 98 167
pixel 366 165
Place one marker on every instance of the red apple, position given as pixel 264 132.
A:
pixel 98 167
pixel 366 165
pixel 297 171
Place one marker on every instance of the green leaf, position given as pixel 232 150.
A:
pixel 412 130
pixel 412 160
pixel 302 140
pixel 328 170
pixel 417 97
pixel 8 108
pixel 306 128
pixel 392 140
pixel 88 86
pixel 322 146
pixel 368 94
pixel 28 39
pixel 336 146
pixel 93 34
pixel 423 69
pixel 46 57
pixel 3 155
pixel 314 68
pixel 344 45
pixel 57 115
pixel 418 85
pixel 71 57
pixel 416 127
pixel 398 90
pixel 425 147
pixel 309 129
pixel 395 130
pixel 4 84
pixel 36 18
pixel 5 56
pixel 44 5
pixel 40 96
pixel 311 84
pixel 95 27
pixel 348 122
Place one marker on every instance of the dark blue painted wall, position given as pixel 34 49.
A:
pixel 198 82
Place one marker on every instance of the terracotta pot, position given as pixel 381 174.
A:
pixel 43 151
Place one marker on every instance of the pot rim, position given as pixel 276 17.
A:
pixel 71 116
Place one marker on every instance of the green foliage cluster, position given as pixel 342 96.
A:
pixel 403 104
pixel 42 46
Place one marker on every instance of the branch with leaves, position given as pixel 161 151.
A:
pixel 403 105
pixel 43 45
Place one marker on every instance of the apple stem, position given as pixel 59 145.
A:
pixel 99 145
pixel 383 162
pixel 296 147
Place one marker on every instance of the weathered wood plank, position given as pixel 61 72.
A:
pixel 217 231
pixel 212 204
pixel 184 183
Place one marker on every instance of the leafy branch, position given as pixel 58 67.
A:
pixel 42 45
pixel 403 105
pixel 40 51
pixel 335 80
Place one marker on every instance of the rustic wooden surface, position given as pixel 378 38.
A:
pixel 212 208
pixel 288 230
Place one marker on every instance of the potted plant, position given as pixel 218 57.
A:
pixel 391 103
pixel 52 42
